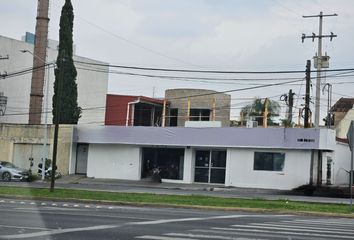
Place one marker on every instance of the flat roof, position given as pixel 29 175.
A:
pixel 228 137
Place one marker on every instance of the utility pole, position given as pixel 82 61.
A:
pixel 319 60
pixel 291 104
pixel 56 126
pixel 329 104
pixel 307 94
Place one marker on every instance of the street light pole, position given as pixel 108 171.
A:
pixel 44 152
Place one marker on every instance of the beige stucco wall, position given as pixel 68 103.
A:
pixel 343 126
pixel 11 134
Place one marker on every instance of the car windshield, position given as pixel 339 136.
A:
pixel 8 165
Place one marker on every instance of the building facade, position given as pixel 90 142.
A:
pixel 24 146
pixel 197 105
pixel 240 157
pixel 343 111
pixel 16 84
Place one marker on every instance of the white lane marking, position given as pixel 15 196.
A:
pixel 54 204
pixel 65 205
pixel 76 205
pixel 43 204
pixel 283 232
pixel 12 202
pixel 256 235
pixel 1 201
pixel 197 219
pixel 57 231
pixel 190 235
pixel 32 228
pixel 261 226
pixel 87 206
pixel 68 212
pixel 22 202
pixel 163 238
pixel 327 222
pixel 280 224
pixel 32 203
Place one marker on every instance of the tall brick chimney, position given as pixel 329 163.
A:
pixel 39 59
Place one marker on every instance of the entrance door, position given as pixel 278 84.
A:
pixel 23 152
pixel 210 166
pixel 81 159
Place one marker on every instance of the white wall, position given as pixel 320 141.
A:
pixel 240 173
pixel 92 86
pixel 114 161
pixel 341 164
pixel 188 171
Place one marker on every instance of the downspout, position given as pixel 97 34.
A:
pixel 214 109
pixel 164 113
pixel 311 166
pixel 128 112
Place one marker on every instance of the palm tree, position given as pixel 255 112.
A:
pixel 257 108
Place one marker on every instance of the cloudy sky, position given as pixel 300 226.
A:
pixel 235 35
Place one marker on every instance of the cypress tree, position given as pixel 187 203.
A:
pixel 65 107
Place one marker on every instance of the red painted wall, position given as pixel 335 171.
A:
pixel 116 109
pixel 117 105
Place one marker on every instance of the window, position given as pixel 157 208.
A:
pixel 173 117
pixel 169 161
pixel 268 161
pixel 199 114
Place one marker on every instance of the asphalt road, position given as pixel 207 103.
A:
pixel 25 219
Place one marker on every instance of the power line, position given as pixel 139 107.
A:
pixel 210 71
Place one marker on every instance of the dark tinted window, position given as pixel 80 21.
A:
pixel 268 161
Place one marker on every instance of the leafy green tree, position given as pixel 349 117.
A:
pixel 256 110
pixel 65 107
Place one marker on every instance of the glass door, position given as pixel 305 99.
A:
pixel 210 166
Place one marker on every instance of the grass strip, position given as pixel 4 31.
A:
pixel 176 200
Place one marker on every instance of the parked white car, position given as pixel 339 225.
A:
pixel 9 172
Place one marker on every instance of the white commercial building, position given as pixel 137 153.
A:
pixel 16 83
pixel 275 158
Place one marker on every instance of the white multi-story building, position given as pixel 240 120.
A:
pixel 92 85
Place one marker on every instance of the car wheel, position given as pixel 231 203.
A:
pixel 6 176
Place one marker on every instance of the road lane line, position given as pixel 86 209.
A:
pixel 196 219
pixel 261 226
pixel 300 226
pixel 57 231
pixel 163 238
pixel 326 222
pixel 32 228
pixel 256 235
pixel 303 234
pixel 191 235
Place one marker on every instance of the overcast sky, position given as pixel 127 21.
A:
pixel 237 35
